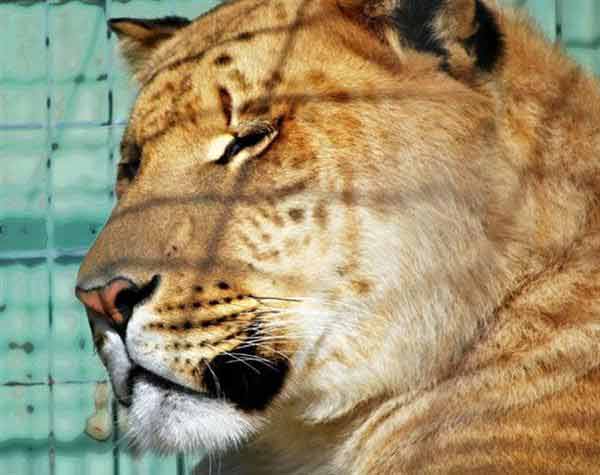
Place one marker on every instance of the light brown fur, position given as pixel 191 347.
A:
pixel 455 212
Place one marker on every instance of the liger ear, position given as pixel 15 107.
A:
pixel 138 38
pixel 464 34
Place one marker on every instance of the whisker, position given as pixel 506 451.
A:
pixel 244 361
pixel 269 348
pixel 267 312
pixel 282 299
pixel 273 338
pixel 237 358
pixel 258 359
pixel 216 380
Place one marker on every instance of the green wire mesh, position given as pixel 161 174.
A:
pixel 64 99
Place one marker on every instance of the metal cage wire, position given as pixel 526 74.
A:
pixel 64 100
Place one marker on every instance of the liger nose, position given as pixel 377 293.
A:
pixel 116 300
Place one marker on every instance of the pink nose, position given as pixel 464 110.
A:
pixel 103 300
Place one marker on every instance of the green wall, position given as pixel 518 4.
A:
pixel 64 98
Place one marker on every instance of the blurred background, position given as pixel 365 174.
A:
pixel 64 100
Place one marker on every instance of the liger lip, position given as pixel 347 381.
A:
pixel 138 372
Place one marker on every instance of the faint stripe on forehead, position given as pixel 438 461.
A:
pixel 244 36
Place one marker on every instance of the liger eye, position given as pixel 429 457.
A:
pixel 129 170
pixel 240 143
pixel 130 166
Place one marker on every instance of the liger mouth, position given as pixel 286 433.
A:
pixel 242 376
pixel 138 373
pixel 249 385
pixel 124 371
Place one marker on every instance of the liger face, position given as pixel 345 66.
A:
pixel 255 232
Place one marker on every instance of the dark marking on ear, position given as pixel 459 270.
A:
pixel 488 42
pixel 167 23
pixel 140 36
pixel 245 380
pixel 171 21
pixel 414 20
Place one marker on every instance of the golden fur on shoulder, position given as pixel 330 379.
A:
pixel 367 235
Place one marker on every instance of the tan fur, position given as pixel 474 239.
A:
pixel 447 220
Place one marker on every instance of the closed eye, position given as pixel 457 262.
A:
pixel 129 169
